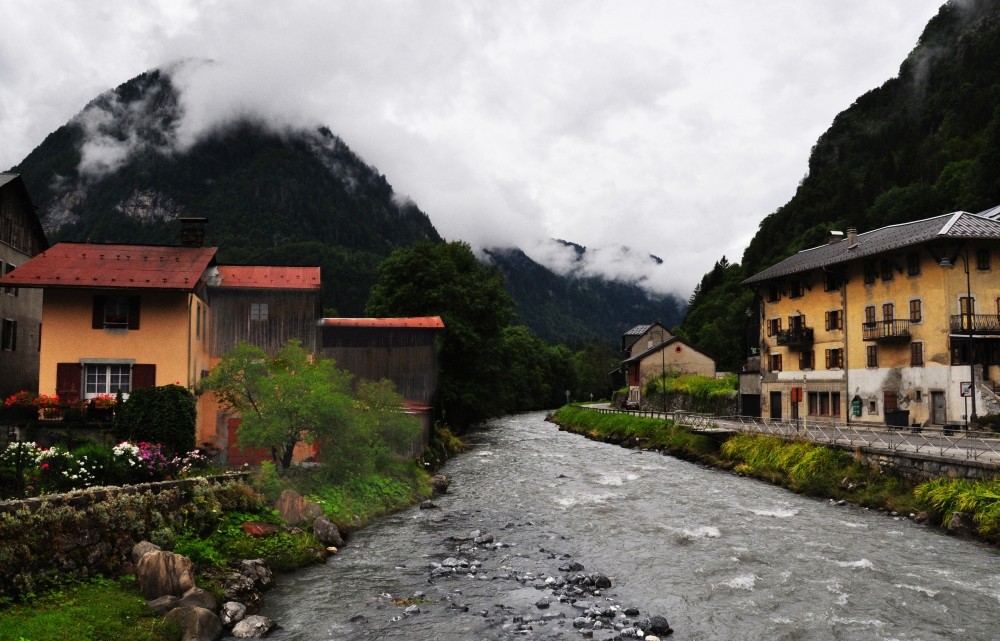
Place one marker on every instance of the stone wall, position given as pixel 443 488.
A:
pixel 923 467
pixel 92 532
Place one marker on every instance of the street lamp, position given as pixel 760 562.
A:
pixel 968 322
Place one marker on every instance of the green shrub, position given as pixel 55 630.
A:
pixel 165 414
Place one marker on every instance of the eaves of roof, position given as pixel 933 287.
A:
pixel 415 322
pixel 660 346
pixel 955 226
pixel 264 277
pixel 88 265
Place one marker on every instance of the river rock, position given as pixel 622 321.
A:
pixel 326 531
pixel 257 571
pixel 961 524
pixel 295 509
pixel 164 604
pixel 658 625
pixel 440 483
pixel 196 597
pixel 140 549
pixel 240 588
pixel 196 624
pixel 232 613
pixel 253 627
pixel 161 573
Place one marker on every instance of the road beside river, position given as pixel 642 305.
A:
pixel 720 556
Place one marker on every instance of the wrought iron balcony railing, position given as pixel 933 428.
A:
pixel 976 323
pixel 796 337
pixel 889 331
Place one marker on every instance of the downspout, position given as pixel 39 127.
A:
pixel 847 376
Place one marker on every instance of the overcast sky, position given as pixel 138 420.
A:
pixel 670 128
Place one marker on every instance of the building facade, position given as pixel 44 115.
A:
pixel 21 237
pixel 650 351
pixel 894 326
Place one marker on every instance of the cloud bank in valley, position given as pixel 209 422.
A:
pixel 666 128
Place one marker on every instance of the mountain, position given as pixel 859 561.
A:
pixel 926 142
pixel 583 307
pixel 120 172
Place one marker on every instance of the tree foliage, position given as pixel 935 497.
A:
pixel 283 399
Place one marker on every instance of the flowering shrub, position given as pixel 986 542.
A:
pixel 24 398
pixel 103 401
pixel 56 469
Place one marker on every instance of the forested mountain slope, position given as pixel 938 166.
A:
pixel 117 172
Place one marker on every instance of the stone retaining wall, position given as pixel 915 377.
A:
pixel 92 531
pixel 924 467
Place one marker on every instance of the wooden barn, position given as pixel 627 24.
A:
pixel 403 350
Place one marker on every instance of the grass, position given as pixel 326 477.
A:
pixel 943 497
pixel 96 610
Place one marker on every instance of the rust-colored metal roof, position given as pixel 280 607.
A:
pixel 266 277
pixel 114 266
pixel 415 322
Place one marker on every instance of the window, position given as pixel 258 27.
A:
pixel 869 314
pixel 913 264
pixel 116 312
pixel 773 293
pixel 983 260
pixel 834 320
pixel 824 403
pixel 197 321
pixel 773 326
pixel 796 323
pixel 869 269
pixel 831 282
pixel 107 379
pixel 872 354
pixel 8 341
pixel 915 312
pixel 888 312
pixel 795 288
pixel 10 290
pixel 834 358
pixel 258 311
pixel 916 354
pixel 885 269
pixel 807 359
pixel 775 362
pixel 890 401
pixel 966 306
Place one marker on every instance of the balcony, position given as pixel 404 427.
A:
pixel 976 323
pixel 890 331
pixel 796 337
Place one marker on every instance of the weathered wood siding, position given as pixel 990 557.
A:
pixel 406 356
pixel 290 315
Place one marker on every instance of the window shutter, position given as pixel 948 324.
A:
pixel 69 377
pixel 13 336
pixel 143 376
pixel 98 322
pixel 133 312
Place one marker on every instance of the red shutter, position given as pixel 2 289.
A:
pixel 98 319
pixel 69 377
pixel 143 376
pixel 133 312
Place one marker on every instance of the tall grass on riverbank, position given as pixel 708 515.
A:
pixel 635 431
pixel 981 499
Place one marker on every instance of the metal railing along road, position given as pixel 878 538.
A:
pixel 950 443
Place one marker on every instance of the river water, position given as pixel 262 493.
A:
pixel 722 557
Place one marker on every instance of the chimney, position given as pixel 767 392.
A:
pixel 852 237
pixel 193 231
pixel 835 237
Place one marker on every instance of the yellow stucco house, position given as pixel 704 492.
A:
pixel 120 317
pixel 899 325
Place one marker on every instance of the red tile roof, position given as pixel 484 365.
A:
pixel 113 266
pixel 416 322
pixel 267 277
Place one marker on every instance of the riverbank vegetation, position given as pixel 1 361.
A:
pixel 943 497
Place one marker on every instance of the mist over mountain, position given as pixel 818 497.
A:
pixel 125 168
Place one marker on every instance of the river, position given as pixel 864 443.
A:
pixel 721 557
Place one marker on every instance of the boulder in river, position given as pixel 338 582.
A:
pixel 254 626
pixel 196 624
pixel 326 531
